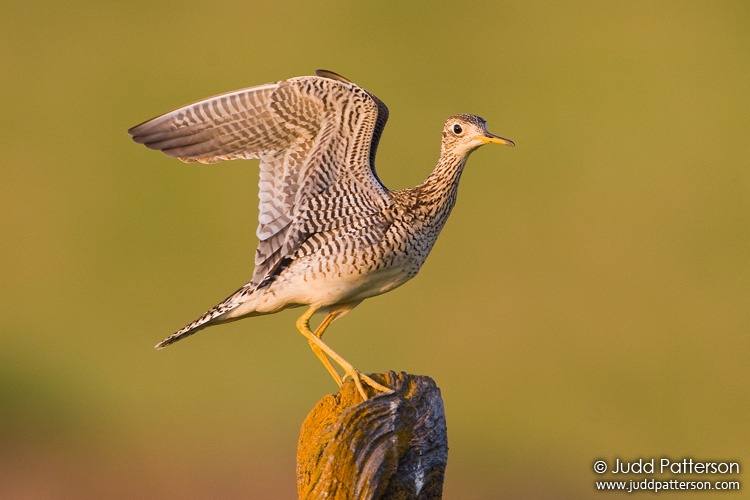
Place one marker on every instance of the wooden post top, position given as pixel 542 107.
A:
pixel 394 445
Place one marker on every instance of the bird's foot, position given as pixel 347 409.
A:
pixel 323 352
pixel 359 377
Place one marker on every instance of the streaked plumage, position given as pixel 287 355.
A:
pixel 330 233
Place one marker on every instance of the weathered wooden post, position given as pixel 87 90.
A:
pixel 393 445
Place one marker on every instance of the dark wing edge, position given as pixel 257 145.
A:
pixel 379 123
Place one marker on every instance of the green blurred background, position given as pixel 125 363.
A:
pixel 588 298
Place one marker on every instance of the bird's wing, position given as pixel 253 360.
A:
pixel 316 138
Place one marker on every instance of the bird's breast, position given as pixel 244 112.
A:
pixel 352 263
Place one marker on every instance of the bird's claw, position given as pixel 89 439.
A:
pixel 359 377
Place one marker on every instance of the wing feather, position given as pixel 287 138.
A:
pixel 316 139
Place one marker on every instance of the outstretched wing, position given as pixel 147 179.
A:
pixel 316 139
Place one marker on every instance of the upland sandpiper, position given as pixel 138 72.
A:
pixel 330 233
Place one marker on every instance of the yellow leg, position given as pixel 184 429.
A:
pixel 303 325
pixel 320 354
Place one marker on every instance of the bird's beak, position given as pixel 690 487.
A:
pixel 495 139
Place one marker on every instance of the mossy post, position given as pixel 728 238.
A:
pixel 394 445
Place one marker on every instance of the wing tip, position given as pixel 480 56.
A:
pixel 331 75
pixel 139 130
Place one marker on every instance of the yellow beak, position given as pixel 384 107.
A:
pixel 496 139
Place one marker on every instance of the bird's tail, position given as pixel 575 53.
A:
pixel 214 315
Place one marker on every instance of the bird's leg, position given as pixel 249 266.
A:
pixel 320 354
pixel 303 325
pixel 327 363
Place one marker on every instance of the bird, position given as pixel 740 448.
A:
pixel 330 234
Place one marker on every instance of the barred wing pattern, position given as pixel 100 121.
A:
pixel 316 139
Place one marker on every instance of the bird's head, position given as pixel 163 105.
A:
pixel 463 134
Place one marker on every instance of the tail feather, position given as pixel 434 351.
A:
pixel 210 317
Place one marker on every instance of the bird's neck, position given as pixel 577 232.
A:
pixel 437 194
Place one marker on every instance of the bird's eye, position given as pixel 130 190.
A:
pixel 457 129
